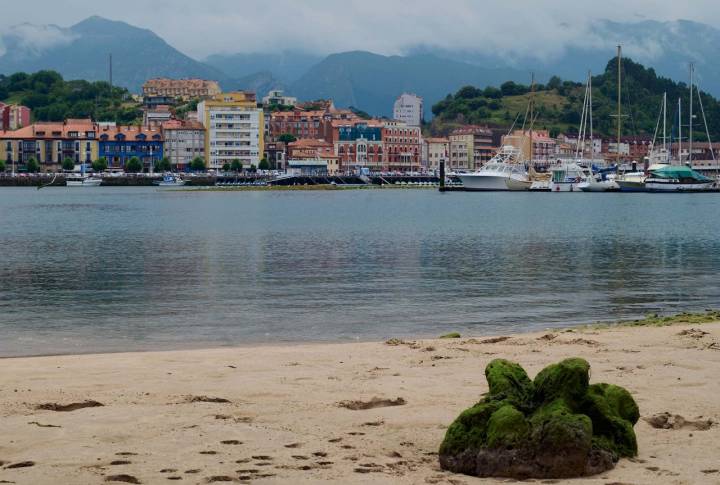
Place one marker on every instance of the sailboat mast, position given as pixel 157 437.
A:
pixel 532 113
pixel 592 143
pixel 619 104
pixel 665 122
pixel 679 130
pixel 690 125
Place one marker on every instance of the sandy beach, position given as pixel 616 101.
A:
pixel 305 413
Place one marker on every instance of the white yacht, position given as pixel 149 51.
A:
pixel 82 180
pixel 495 173
pixel 564 177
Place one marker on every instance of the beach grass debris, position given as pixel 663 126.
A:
pixel 657 320
pixel 555 426
pixel 373 403
pixel 451 335
pixel 52 406
pixel 675 421
pixel 219 400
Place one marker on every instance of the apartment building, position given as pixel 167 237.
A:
pixel 183 141
pixel 402 145
pixel 277 97
pixel 234 129
pixel 438 149
pixel 50 143
pixel 13 116
pixel 180 88
pixel 118 144
pixel 470 147
pixel 408 108
pixel 358 144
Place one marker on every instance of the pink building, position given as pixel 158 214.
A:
pixel 13 116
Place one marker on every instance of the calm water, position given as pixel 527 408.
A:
pixel 102 269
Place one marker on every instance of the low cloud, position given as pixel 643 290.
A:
pixel 29 39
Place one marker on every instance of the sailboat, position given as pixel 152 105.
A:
pixel 594 182
pixel 681 177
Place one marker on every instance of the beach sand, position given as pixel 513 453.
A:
pixel 279 421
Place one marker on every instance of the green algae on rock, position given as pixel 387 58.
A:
pixel 557 426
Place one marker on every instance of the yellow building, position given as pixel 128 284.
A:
pixel 234 129
pixel 49 143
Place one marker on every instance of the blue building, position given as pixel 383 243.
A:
pixel 119 144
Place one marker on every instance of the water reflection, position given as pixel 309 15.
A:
pixel 131 268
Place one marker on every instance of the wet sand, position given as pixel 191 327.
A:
pixel 307 414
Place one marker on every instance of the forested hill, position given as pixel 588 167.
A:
pixel 559 104
pixel 51 98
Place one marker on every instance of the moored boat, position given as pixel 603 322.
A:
pixel 169 180
pixel 677 178
pixel 82 181
pixel 493 175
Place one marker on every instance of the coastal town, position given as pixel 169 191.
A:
pixel 236 131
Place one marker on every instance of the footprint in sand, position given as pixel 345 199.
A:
pixel 120 462
pixel 208 452
pixel 293 445
pixel 262 457
pixel 300 457
pixel 168 470
pixel 122 478
pixel 52 406
pixel 219 478
pixel 231 442
pixel 22 464
pixel 126 453
pixel 321 454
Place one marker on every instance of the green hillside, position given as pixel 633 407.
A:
pixel 559 103
pixel 51 98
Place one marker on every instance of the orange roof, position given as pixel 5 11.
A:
pixel 130 132
pixel 51 129
pixel 182 125
pixel 309 142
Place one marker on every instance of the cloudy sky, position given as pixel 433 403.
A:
pixel 202 27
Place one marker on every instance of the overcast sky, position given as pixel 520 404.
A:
pixel 202 27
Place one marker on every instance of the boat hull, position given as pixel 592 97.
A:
pixel 484 182
pixel 651 186
pixel 83 183
pixel 631 185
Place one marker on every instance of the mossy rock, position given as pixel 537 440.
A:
pixel 557 426
pixel 451 335
pixel 568 379
pixel 508 380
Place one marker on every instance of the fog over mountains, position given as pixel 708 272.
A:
pixel 362 79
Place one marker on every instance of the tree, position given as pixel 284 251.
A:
pixel 32 165
pixel 468 92
pixel 264 165
pixel 236 166
pixel 554 82
pixel 68 164
pixel 100 165
pixel 197 164
pixel 134 165
pixel 163 165
pixel 252 168
pixel 2 166
pixel 226 167
pixel 287 138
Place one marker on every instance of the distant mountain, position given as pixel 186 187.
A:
pixel 286 66
pixel 81 52
pixel 260 83
pixel 371 82
pixel 668 47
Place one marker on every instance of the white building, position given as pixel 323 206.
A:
pixel 409 108
pixel 234 129
pixel 278 97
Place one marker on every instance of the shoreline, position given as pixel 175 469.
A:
pixel 709 316
pixel 285 413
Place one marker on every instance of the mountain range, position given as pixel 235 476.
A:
pixel 362 79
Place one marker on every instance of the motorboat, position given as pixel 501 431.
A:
pixel 170 180
pixel 564 177
pixel 82 180
pixel 494 174
pixel 595 184
pixel 677 178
